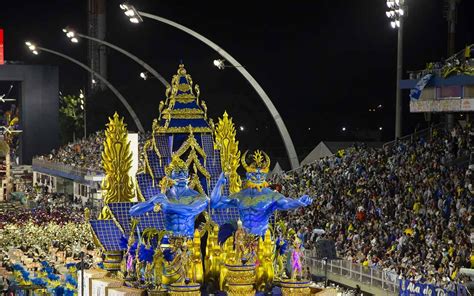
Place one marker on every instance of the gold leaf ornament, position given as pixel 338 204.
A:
pixel 117 162
pixel 229 150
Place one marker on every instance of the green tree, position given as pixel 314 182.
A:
pixel 71 117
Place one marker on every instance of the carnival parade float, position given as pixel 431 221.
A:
pixel 188 224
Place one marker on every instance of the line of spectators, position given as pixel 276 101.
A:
pixel 86 153
pixel 403 209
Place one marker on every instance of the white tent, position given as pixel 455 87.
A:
pixel 276 170
pixel 327 148
pixel 320 151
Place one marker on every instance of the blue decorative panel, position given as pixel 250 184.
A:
pixel 152 220
pixel 108 234
pixel 120 210
pixel 145 182
pixel 162 143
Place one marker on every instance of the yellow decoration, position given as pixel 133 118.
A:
pixel 192 143
pixel 191 289
pixel 196 262
pixel 240 280
pixel 265 270
pixel 261 161
pixel 193 159
pixel 186 113
pixel 224 141
pixel 181 92
pixel 292 288
pixel 182 130
pixel 195 184
pixel 213 260
pixel 175 164
pixel 117 162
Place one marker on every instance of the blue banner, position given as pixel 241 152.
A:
pixel 409 288
pixel 415 93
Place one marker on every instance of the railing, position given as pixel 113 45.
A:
pixel 427 132
pixel 417 74
pixel 374 277
pixel 65 167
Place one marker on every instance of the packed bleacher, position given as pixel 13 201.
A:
pixel 404 209
pixel 86 153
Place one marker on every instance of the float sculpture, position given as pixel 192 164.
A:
pixel 256 201
pixel 188 188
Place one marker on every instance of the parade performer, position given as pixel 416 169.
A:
pixel 239 242
pixel 182 262
pixel 179 204
pixel 256 201
pixel 296 254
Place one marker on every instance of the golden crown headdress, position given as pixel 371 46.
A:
pixel 176 164
pixel 260 160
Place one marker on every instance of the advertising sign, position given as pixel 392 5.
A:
pixel 409 288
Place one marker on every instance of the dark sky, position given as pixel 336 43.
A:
pixel 323 63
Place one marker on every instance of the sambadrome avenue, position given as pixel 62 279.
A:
pixel 160 148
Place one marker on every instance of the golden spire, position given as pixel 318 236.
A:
pixel 229 150
pixel 117 162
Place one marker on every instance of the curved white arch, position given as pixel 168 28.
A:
pixel 290 148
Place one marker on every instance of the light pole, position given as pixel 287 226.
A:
pixel 135 17
pixel 36 49
pixel 396 13
pixel 74 38
pixel 83 108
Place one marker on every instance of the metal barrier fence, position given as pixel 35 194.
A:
pixel 65 167
pixel 427 133
pixel 377 278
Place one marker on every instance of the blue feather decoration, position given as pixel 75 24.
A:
pixel 168 255
pixel 133 248
pixel 71 280
pixel 25 274
pixel 53 277
pixel 165 240
pixel 283 247
pixel 39 282
pixel 59 291
pixel 69 265
pixel 123 243
pixel 144 254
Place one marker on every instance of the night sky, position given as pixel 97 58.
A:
pixel 323 63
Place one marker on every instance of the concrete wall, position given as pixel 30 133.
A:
pixel 39 105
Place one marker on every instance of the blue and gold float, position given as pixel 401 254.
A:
pixel 192 224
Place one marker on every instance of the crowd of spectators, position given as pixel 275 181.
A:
pixel 86 153
pixel 42 208
pixel 404 208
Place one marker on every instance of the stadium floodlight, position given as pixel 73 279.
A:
pixel 219 63
pixel 131 12
pixel 32 47
pixel 144 75
pixel 71 34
